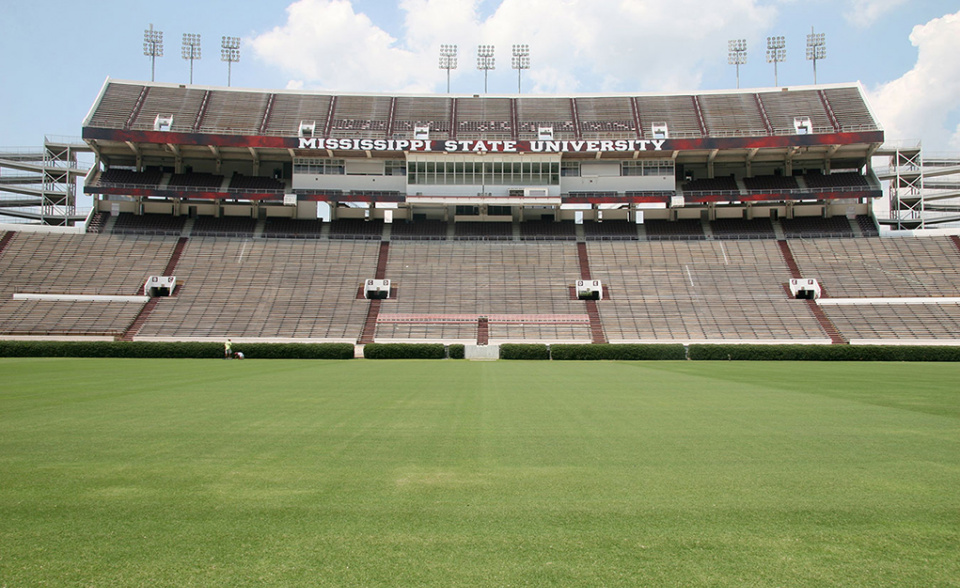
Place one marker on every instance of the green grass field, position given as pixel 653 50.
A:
pixel 453 473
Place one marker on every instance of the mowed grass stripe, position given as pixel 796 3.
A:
pixel 446 473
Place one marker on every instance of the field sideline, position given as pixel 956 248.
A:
pixel 455 473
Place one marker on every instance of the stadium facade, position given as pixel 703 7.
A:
pixel 213 151
pixel 735 216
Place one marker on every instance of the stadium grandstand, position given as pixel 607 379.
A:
pixel 726 216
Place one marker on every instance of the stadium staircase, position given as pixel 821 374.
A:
pixel 370 325
pixel 5 240
pixel 954 238
pixel 596 325
pixel 483 331
pixel 151 304
pixel 825 323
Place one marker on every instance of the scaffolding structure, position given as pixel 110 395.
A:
pixel 41 184
pixel 924 190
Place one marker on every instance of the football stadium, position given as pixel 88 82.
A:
pixel 736 218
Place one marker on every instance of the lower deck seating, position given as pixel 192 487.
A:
pixel 816 226
pixel 225 226
pixel 267 288
pixel 697 291
pixel 879 267
pixel 288 228
pixel 148 224
pixel 483 278
pixel 738 228
pixel 91 264
pixel 282 288
pixel 891 322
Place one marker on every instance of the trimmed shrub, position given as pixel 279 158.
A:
pixel 524 351
pixel 825 352
pixel 617 352
pixel 456 351
pixel 176 349
pixel 404 351
pixel 295 350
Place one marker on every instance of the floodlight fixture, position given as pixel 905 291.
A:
pixel 190 49
pixel 737 55
pixel 776 52
pixel 448 60
pixel 816 49
pixel 485 62
pixel 520 61
pixel 152 48
pixel 230 52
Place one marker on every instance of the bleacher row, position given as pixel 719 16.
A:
pixel 533 230
pixel 293 289
pixel 127 105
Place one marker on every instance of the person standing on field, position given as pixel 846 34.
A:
pixel 228 349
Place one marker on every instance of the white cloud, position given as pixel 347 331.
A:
pixel 919 104
pixel 575 45
pixel 863 13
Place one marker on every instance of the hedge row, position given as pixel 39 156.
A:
pixel 825 352
pixel 404 351
pixel 623 352
pixel 524 351
pixel 144 349
pixel 152 349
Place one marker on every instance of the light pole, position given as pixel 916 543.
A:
pixel 190 49
pixel 152 47
pixel 448 60
pixel 737 55
pixel 230 52
pixel 485 62
pixel 816 49
pixel 520 61
pixel 776 52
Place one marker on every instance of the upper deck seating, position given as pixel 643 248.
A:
pixel 487 118
pixel 606 117
pixel 730 115
pixel 429 112
pixel 783 107
pixel 677 112
pixel 181 103
pixel 533 113
pixel 234 113
pixel 289 110
pixel 361 116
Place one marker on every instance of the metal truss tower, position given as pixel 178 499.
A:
pixel 924 191
pixel 41 185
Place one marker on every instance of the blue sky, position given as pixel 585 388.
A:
pixel 57 53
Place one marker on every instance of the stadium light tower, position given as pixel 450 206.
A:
pixel 520 62
pixel 230 52
pixel 448 60
pixel 737 55
pixel 152 48
pixel 816 49
pixel 190 49
pixel 776 52
pixel 485 61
